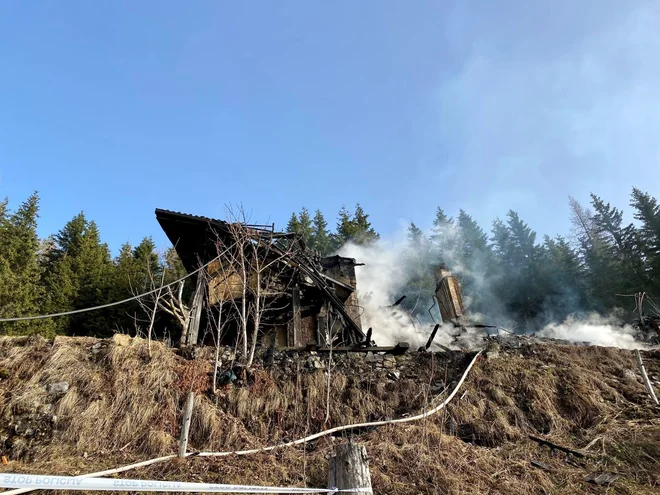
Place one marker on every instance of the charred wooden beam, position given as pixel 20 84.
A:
pixel 554 446
pixel 400 348
pixel 398 301
pixel 297 320
pixel 431 337
pixel 319 281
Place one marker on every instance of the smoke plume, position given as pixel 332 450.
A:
pixel 381 281
pixel 385 277
pixel 594 329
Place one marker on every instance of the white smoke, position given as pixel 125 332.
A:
pixel 594 329
pixel 381 281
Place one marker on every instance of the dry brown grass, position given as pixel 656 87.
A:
pixel 123 407
pixel 115 398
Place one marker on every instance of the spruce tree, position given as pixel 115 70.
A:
pixel 320 237
pixel 564 281
pixel 304 226
pixel 418 259
pixel 621 248
pixel 365 233
pixel 147 266
pixel 79 275
pixel 20 291
pixel 473 264
pixel 593 251
pixel 125 285
pixel 472 241
pixel 294 225
pixel 355 228
pixel 444 238
pixel 345 230
pixel 647 211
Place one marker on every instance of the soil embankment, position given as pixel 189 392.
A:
pixel 78 405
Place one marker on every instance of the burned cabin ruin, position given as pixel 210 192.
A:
pixel 255 277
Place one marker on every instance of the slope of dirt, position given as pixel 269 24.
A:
pixel 78 405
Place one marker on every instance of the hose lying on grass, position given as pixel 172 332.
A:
pixel 323 433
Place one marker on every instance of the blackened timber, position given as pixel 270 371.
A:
pixel 398 301
pixel 400 348
pixel 432 336
pixel 297 320
pixel 317 278
pixel 553 446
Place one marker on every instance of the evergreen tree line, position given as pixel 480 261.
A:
pixel 72 270
pixel 314 232
pixel 508 275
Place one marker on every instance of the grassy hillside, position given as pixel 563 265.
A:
pixel 77 405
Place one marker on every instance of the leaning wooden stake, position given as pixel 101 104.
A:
pixel 185 426
pixel 349 468
pixel 647 382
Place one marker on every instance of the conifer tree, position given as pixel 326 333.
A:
pixel 345 230
pixel 444 238
pixel 304 226
pixel 624 246
pixel 647 211
pixel 20 291
pixel 124 286
pixel 79 276
pixel 320 237
pixel 473 263
pixel 355 228
pixel 294 225
pixel 418 259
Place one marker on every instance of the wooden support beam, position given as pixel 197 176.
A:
pixel 195 313
pixel 185 424
pixel 296 336
pixel 349 469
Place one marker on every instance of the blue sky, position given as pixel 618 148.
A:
pixel 117 107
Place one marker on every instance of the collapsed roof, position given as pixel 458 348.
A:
pixel 312 299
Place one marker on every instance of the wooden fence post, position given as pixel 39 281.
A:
pixel 185 425
pixel 349 468
pixel 645 377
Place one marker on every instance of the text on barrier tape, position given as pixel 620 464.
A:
pixel 12 480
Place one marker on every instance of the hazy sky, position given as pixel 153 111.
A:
pixel 117 108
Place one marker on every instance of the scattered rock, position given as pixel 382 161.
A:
pixel 373 358
pixel 394 375
pixel 389 361
pixel 58 388
pixel 602 478
pixel 629 375
pixel 314 362
pixel 437 387
pixel 493 351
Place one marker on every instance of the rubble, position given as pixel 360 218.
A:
pixel 58 388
